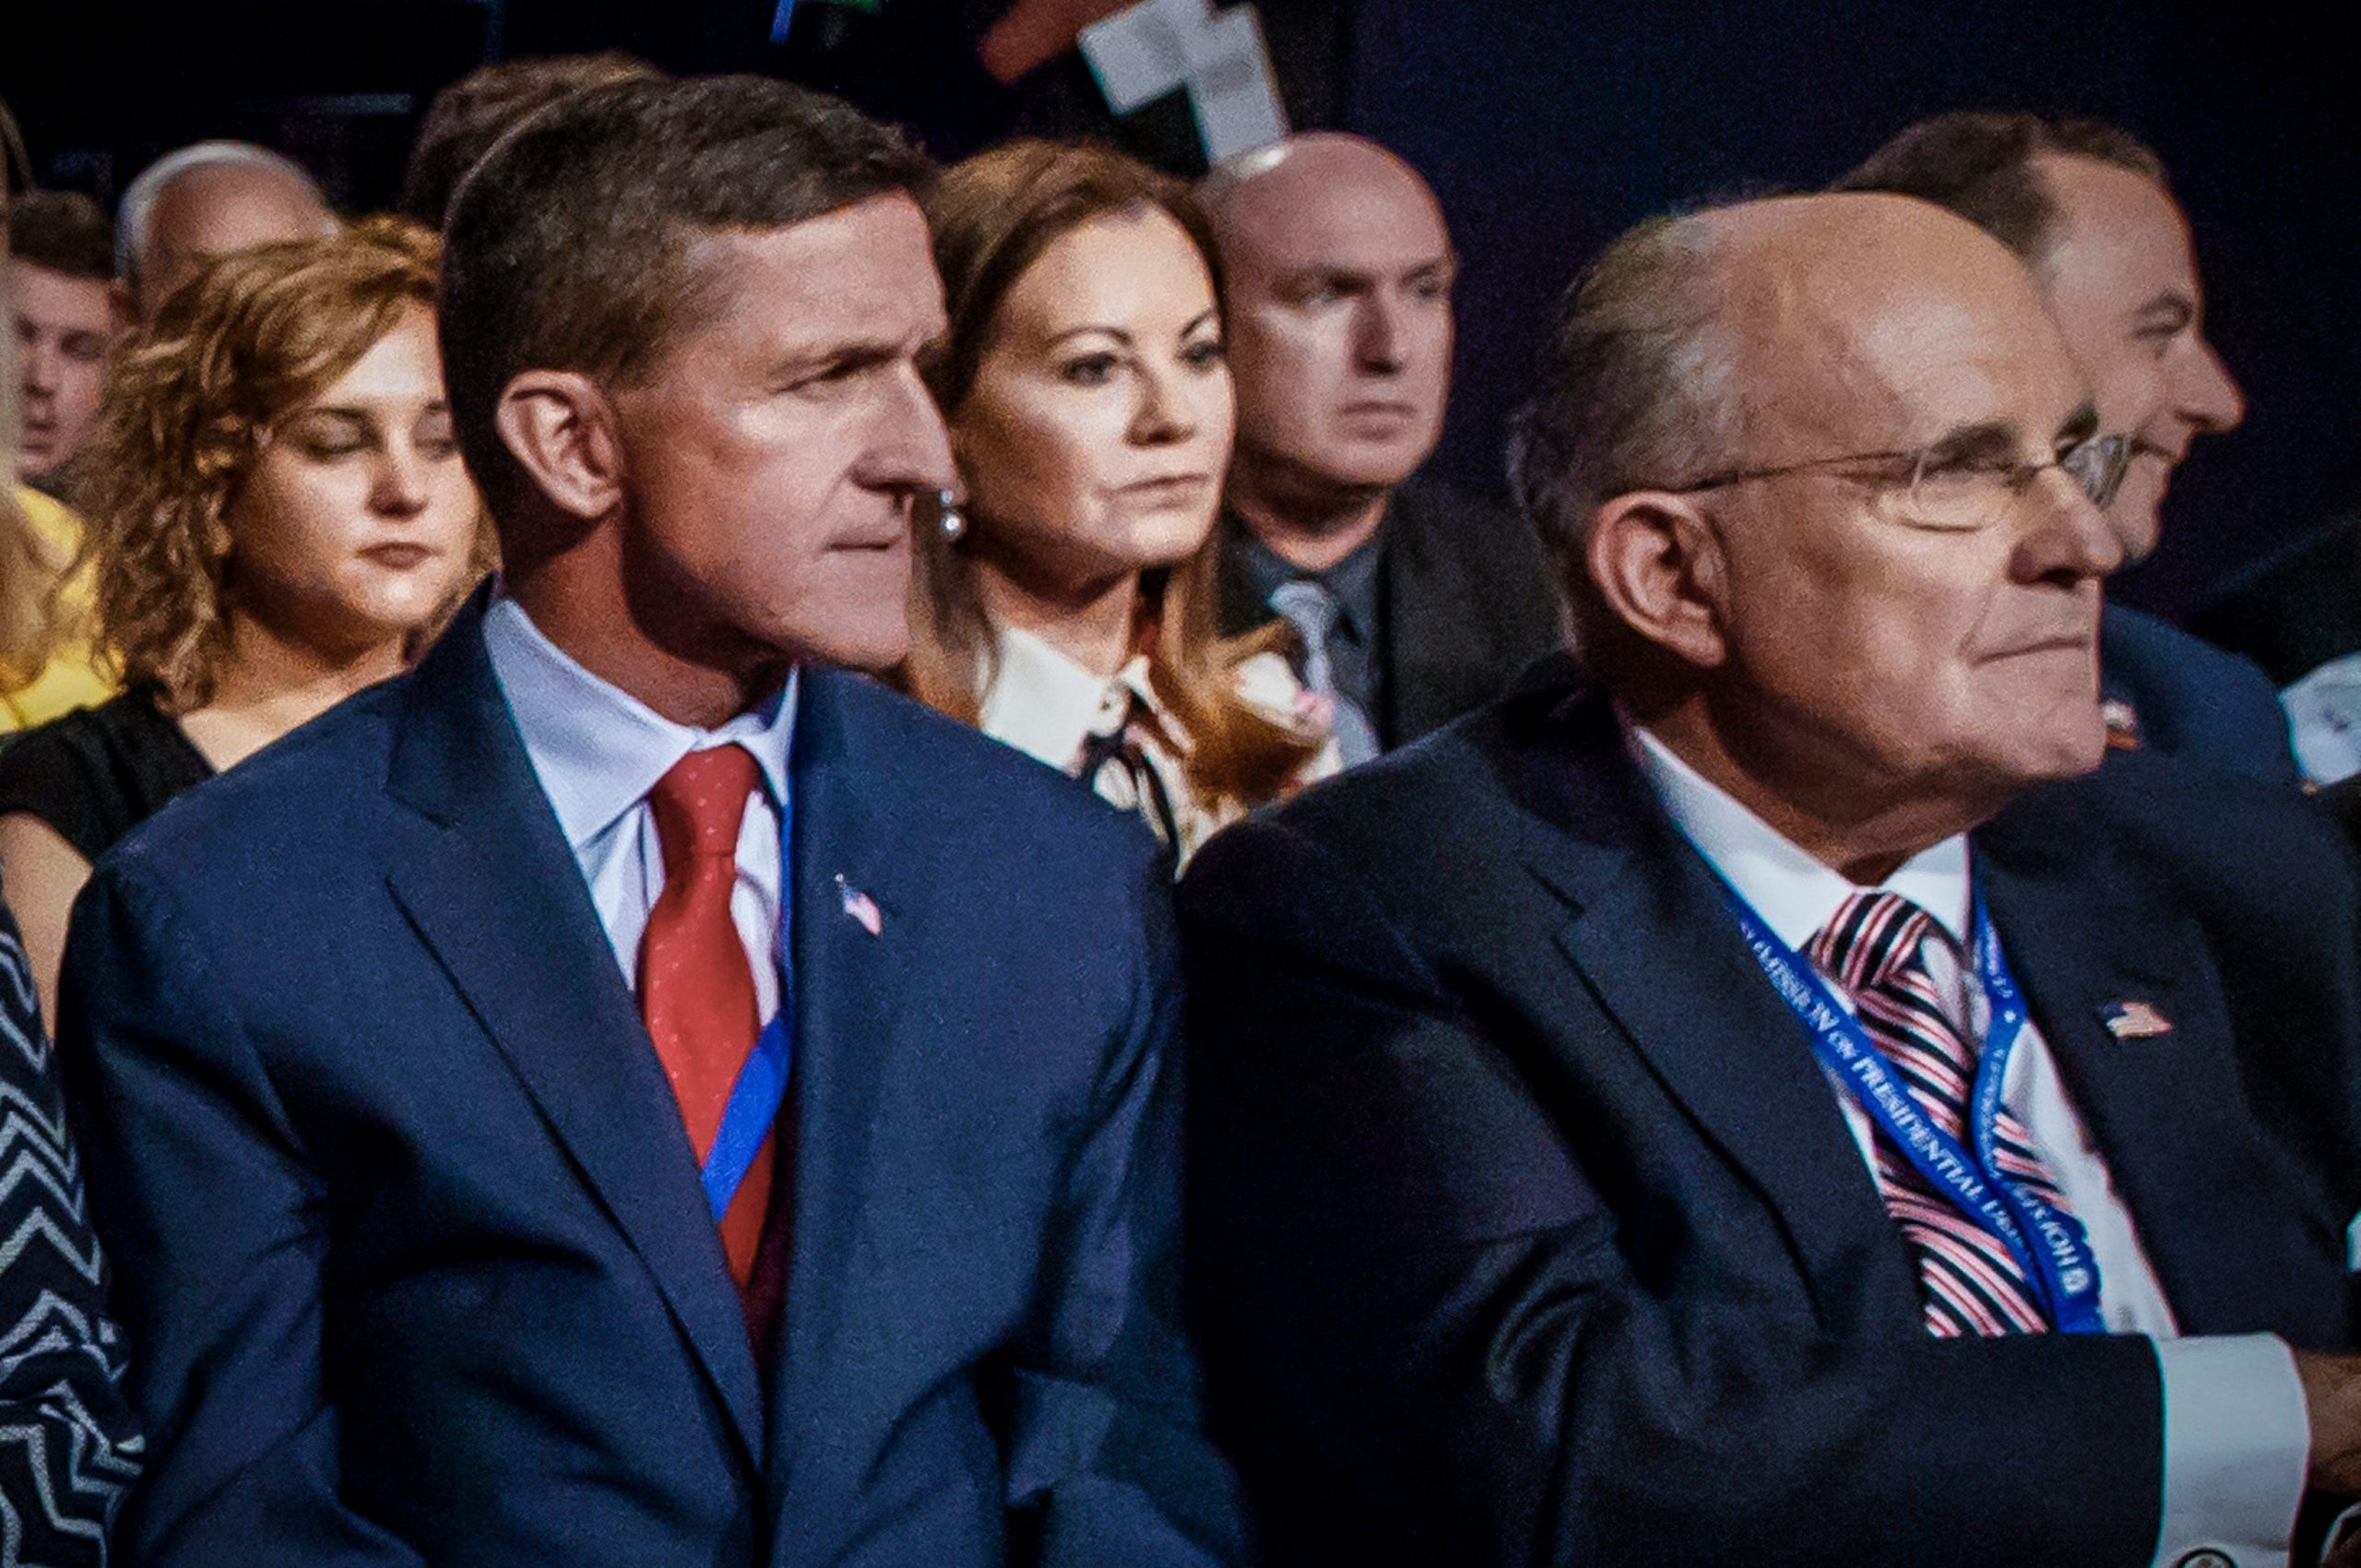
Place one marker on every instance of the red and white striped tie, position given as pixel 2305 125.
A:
pixel 1875 949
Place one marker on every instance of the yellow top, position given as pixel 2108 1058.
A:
pixel 69 680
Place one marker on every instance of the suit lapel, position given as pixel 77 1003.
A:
pixel 848 983
pixel 1239 608
pixel 1649 934
pixel 1653 939
pixel 493 890
pixel 2166 1111
pixel 1427 620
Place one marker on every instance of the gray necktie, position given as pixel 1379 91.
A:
pixel 1312 609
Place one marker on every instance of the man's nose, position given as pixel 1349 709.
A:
pixel 2208 396
pixel 38 367
pixel 2069 538
pixel 1377 332
pixel 913 448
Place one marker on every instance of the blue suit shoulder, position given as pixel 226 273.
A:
pixel 2221 840
pixel 302 789
pixel 2193 700
pixel 943 780
pixel 950 780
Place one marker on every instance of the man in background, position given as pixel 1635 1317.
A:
pixel 1413 604
pixel 2089 209
pixel 202 201
pixel 64 320
pixel 63 308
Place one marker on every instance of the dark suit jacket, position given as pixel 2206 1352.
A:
pixel 410 1239
pixel 1526 1228
pixel 1464 598
pixel 2193 699
pixel 2300 606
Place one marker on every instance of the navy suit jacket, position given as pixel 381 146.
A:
pixel 411 1240
pixel 2193 699
pixel 1526 1228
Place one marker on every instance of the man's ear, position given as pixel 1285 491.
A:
pixel 1660 568
pixel 560 426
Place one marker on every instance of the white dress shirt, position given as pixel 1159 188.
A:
pixel 1045 704
pixel 2237 1437
pixel 597 751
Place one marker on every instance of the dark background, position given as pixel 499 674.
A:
pixel 1545 126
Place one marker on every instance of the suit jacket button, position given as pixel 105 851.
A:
pixel 2205 1557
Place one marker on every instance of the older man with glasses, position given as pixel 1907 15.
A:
pixel 2091 212
pixel 1796 1097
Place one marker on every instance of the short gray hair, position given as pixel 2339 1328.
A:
pixel 1637 390
pixel 138 204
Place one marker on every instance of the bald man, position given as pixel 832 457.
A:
pixel 207 200
pixel 1775 1103
pixel 1413 604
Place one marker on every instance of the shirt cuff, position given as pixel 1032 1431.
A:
pixel 2238 1444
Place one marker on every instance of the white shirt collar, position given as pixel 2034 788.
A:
pixel 1794 893
pixel 597 749
pixel 1043 702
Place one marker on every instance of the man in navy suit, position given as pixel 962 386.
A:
pixel 2088 207
pixel 627 1092
pixel 1776 1105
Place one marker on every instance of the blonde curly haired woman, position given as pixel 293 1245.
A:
pixel 277 516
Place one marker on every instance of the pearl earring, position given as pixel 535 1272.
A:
pixel 948 517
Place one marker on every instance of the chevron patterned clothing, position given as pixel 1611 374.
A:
pixel 69 1448
pixel 1874 949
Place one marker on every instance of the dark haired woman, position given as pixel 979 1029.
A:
pixel 1091 416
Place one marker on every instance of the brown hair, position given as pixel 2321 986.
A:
pixel 1979 163
pixel 252 336
pixel 992 218
pixel 476 111
pixel 568 247
pixel 65 231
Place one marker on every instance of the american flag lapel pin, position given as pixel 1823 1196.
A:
pixel 2122 723
pixel 859 907
pixel 2134 1020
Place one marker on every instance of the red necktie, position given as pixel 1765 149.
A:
pixel 1875 948
pixel 695 992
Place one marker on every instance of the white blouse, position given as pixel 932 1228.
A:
pixel 1052 709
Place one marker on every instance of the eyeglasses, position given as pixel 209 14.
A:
pixel 1945 488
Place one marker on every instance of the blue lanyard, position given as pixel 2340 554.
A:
pixel 2050 1247
pixel 761 1088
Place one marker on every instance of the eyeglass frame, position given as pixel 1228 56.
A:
pixel 2114 453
